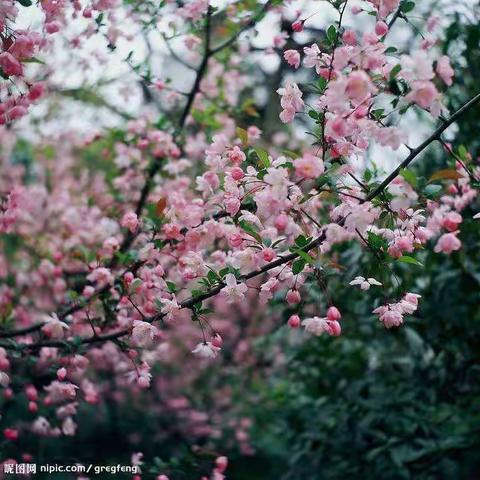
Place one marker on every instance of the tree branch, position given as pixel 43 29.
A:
pixel 416 151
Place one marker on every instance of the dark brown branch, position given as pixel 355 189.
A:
pixel 416 151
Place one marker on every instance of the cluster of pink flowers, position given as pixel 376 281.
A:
pixel 17 48
pixel 20 86
pixel 391 315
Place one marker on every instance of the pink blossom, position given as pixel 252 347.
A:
pixel 170 308
pixel 316 325
pixel 130 221
pixel 334 328
pixel 10 65
pixel 36 91
pixel 392 318
pixel 236 156
pixel 221 464
pixel 173 231
pixel 52 27
pixel 233 291
pixel 217 340
pixel 364 283
pixel 423 93
pixel 293 297
pixel 292 57
pixel 448 243
pixel 333 313
pixel 232 204
pixel 294 321
pixel 4 380
pixel 281 222
pixel 206 350
pixel 358 85
pixel 309 166
pixel 444 70
pixel 268 254
pixel 297 26
pixel 54 328
pixel 102 276
pixel 143 333
pixel 381 28
pixel 18 111
pixel 291 101
pixel 451 221
pixel 237 173
pixel 349 37
pixel 60 391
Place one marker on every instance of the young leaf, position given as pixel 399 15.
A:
pixel 409 177
pixel 298 266
pixel 263 156
pixel 332 34
pixel 411 260
pixel 446 174
pixel 160 206
pixel 395 71
pixel 242 135
pixel 249 228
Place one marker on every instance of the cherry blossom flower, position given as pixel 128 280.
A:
pixel 316 325
pixel 291 101
pixel 102 276
pixel 448 243
pixel 294 321
pixel 143 333
pixel 444 70
pixel 130 221
pixel 4 380
pixel 170 308
pixel 206 350
pixel 292 57
pixel 54 327
pixel 309 166
pixel 233 291
pixel 364 283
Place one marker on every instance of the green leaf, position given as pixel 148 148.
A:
pixel 25 3
pixel 301 241
pixel 308 259
pixel 33 60
pixel 409 177
pixel 395 71
pixel 298 266
pixel 172 288
pixel 463 152
pixel 263 157
pixel 290 154
pixel 250 229
pixel 332 34
pixel 411 260
pixel 242 134
pixel 376 241
pixel 322 83
pixel 406 7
